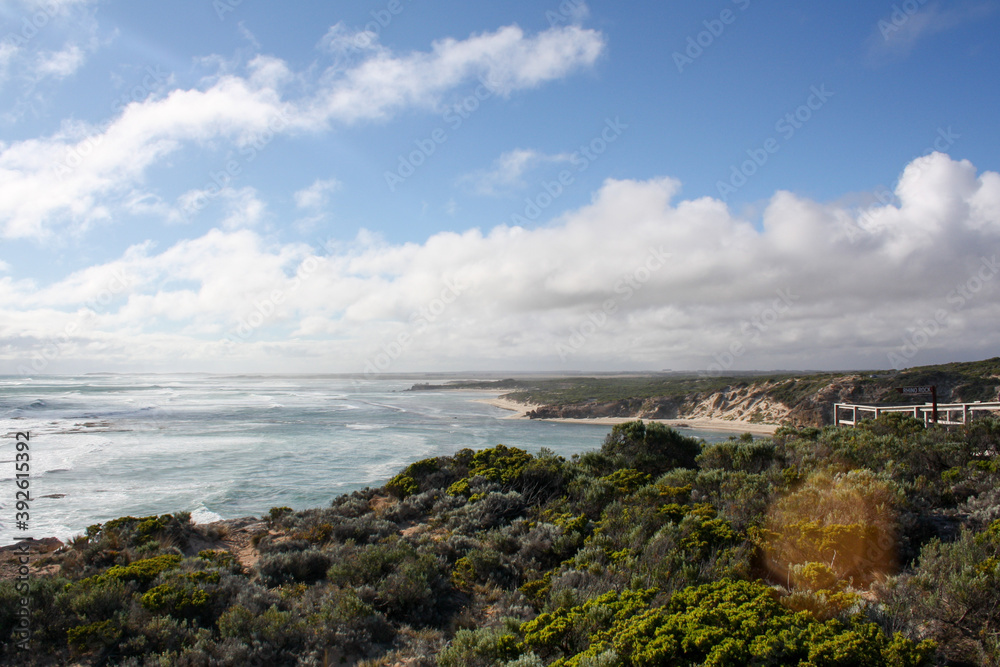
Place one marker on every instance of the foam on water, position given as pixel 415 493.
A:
pixel 225 446
pixel 204 515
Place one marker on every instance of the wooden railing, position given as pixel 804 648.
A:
pixel 948 414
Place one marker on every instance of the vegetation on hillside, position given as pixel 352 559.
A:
pixel 808 396
pixel 871 546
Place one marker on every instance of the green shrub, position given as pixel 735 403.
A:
pixel 273 627
pixel 732 455
pixel 417 477
pixel 847 521
pixel 177 601
pixel 308 566
pixel 501 464
pixel 402 485
pixel 651 448
pixel 725 623
pixel 627 480
pixel 276 514
pixel 218 558
pixel 484 647
pixel 142 572
pixel 460 488
pixel 954 593
pixel 98 601
pixel 93 636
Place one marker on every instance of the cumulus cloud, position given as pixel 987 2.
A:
pixel 64 179
pixel 317 195
pixel 507 172
pixel 60 64
pixel 635 279
pixel 245 209
pixel 507 59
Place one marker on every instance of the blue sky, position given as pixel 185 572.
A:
pixel 404 186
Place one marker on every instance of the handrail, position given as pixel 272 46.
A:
pixel 949 414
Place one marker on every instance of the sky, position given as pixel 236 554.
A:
pixel 404 186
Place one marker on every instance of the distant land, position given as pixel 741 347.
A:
pixel 766 398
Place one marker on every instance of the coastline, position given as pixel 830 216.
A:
pixel 520 411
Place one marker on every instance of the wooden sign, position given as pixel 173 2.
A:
pixel 923 391
pixel 916 391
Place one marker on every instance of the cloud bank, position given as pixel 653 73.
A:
pixel 636 279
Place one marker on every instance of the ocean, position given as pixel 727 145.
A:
pixel 221 447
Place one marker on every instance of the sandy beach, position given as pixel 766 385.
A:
pixel 520 411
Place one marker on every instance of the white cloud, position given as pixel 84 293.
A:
pixel 506 59
pixel 345 45
pixel 317 195
pixel 637 279
pixel 245 210
pixel 60 64
pixel 27 45
pixel 63 180
pixel 898 34
pixel 508 171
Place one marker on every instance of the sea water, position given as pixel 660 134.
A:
pixel 220 447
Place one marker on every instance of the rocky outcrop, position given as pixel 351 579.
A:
pixel 750 403
pixel 783 401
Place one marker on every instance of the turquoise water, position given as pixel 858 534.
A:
pixel 105 446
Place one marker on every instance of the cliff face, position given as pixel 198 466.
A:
pixel 796 402
pixel 751 403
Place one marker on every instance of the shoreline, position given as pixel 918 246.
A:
pixel 521 410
